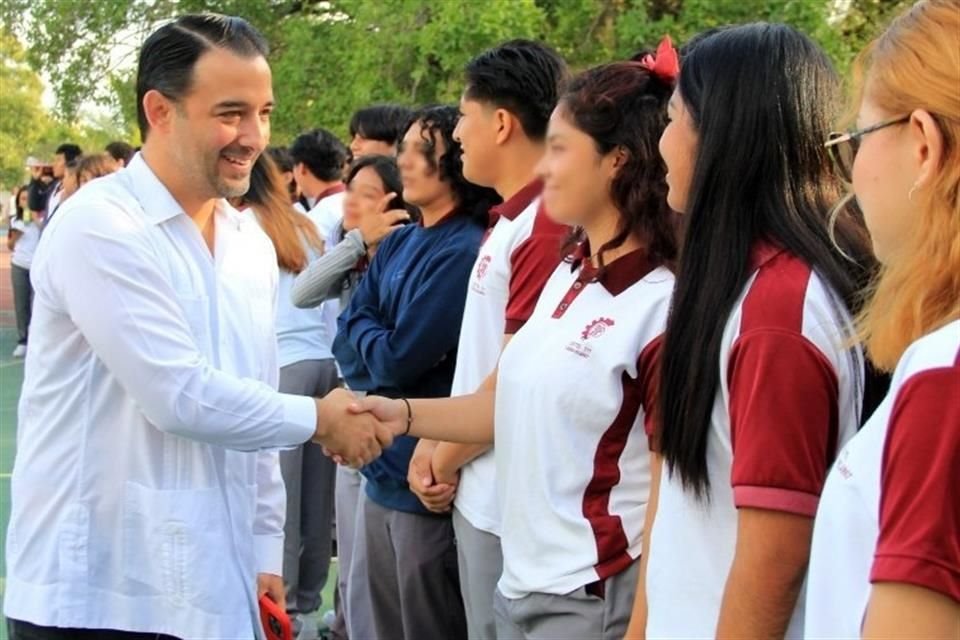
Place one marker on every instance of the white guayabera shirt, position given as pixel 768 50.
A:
pixel 145 494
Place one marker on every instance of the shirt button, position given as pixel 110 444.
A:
pixel 577 285
pixel 563 305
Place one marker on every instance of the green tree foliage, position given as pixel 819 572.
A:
pixel 332 56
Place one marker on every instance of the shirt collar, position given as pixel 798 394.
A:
pixel 617 276
pixel 762 252
pixel 517 203
pixel 157 202
pixel 329 191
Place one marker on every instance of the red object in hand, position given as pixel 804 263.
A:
pixel 276 622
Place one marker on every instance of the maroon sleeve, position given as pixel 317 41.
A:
pixel 531 265
pixel 783 421
pixel 919 539
pixel 648 372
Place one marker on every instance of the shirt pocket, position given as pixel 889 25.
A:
pixel 175 542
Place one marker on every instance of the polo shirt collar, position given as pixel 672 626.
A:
pixel 762 252
pixel 329 191
pixel 617 276
pixel 517 203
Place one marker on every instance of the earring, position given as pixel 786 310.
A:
pixel 910 193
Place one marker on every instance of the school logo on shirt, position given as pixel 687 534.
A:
pixel 481 272
pixel 592 331
pixel 597 328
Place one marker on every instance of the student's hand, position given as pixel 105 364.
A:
pixel 356 438
pixel 390 412
pixel 435 496
pixel 272 585
pixel 377 225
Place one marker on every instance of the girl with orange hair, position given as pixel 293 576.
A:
pixel 886 549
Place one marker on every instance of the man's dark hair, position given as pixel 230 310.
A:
pixel 119 150
pixel 69 151
pixel 522 76
pixel 383 122
pixel 168 56
pixel 321 152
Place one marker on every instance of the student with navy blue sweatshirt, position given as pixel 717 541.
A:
pixel 398 338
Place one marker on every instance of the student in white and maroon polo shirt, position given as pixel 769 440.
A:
pixel 885 560
pixel 511 91
pixel 758 389
pixel 576 383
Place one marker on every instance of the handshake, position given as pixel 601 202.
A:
pixel 354 431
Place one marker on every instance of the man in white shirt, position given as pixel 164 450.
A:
pixel 146 494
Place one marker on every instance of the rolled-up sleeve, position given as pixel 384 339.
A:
pixel 112 282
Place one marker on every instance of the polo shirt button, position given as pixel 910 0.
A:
pixel 577 285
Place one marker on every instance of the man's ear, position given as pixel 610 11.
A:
pixel 158 110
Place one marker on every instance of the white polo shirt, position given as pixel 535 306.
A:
pixel 141 499
pixel 520 252
pixel 890 510
pixel 789 397
pixel 573 389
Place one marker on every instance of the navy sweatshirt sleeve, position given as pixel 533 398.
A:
pixel 424 331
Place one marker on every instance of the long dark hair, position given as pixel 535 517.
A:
pixel 624 105
pixel 762 97
pixel 287 228
pixel 18 210
pixel 437 122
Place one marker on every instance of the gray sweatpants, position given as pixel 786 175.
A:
pixel 309 478
pixel 407 564
pixel 22 300
pixel 480 562
pixel 353 617
pixel 575 616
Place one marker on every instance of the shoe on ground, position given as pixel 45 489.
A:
pixel 20 351
pixel 305 626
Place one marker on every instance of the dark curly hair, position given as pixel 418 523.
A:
pixel 623 105
pixel 437 122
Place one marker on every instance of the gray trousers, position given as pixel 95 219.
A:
pixel 577 615
pixel 406 562
pixel 353 616
pixel 480 562
pixel 309 477
pixel 22 300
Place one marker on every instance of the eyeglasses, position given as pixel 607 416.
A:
pixel 843 147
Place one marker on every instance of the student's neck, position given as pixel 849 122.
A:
pixel 517 169
pixel 601 230
pixel 198 208
pixel 434 212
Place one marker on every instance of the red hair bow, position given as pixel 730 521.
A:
pixel 664 64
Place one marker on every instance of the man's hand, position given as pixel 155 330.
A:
pixel 354 436
pixel 272 585
pixel 376 225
